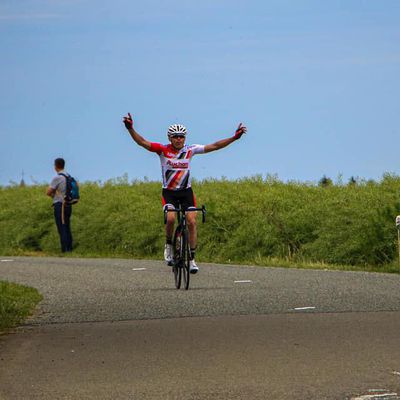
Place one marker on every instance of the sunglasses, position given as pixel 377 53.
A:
pixel 178 136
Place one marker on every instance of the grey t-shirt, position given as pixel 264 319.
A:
pixel 58 183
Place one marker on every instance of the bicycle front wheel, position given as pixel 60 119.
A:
pixel 185 259
pixel 177 267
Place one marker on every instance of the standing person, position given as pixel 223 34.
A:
pixel 175 160
pixel 62 210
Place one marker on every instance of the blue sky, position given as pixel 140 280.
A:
pixel 316 82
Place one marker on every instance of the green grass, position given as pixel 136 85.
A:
pixel 16 303
pixel 255 220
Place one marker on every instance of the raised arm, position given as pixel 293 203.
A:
pixel 140 140
pixel 241 129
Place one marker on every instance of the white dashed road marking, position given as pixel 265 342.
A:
pixel 382 396
pixel 6 260
pixel 138 269
pixel 304 308
pixel 245 281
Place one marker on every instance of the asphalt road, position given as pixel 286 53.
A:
pixel 118 329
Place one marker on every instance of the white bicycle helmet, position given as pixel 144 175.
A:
pixel 177 129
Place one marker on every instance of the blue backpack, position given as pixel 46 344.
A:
pixel 72 190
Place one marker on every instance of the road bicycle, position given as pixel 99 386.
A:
pixel 180 245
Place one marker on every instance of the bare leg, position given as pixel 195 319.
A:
pixel 191 220
pixel 169 227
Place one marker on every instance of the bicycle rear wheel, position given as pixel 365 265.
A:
pixel 185 259
pixel 177 266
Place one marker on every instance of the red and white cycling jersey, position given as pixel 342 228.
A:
pixel 175 164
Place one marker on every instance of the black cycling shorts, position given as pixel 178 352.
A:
pixel 184 198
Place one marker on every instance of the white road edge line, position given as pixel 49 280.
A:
pixel 373 396
pixel 245 281
pixel 138 269
pixel 304 308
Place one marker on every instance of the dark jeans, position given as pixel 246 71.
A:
pixel 64 229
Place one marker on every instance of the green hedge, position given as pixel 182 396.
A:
pixel 249 220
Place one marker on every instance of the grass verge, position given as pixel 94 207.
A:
pixel 16 303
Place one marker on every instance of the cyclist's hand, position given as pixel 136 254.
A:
pixel 128 121
pixel 241 129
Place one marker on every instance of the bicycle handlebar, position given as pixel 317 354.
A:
pixel 179 210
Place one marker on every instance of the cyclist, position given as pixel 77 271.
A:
pixel 175 160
